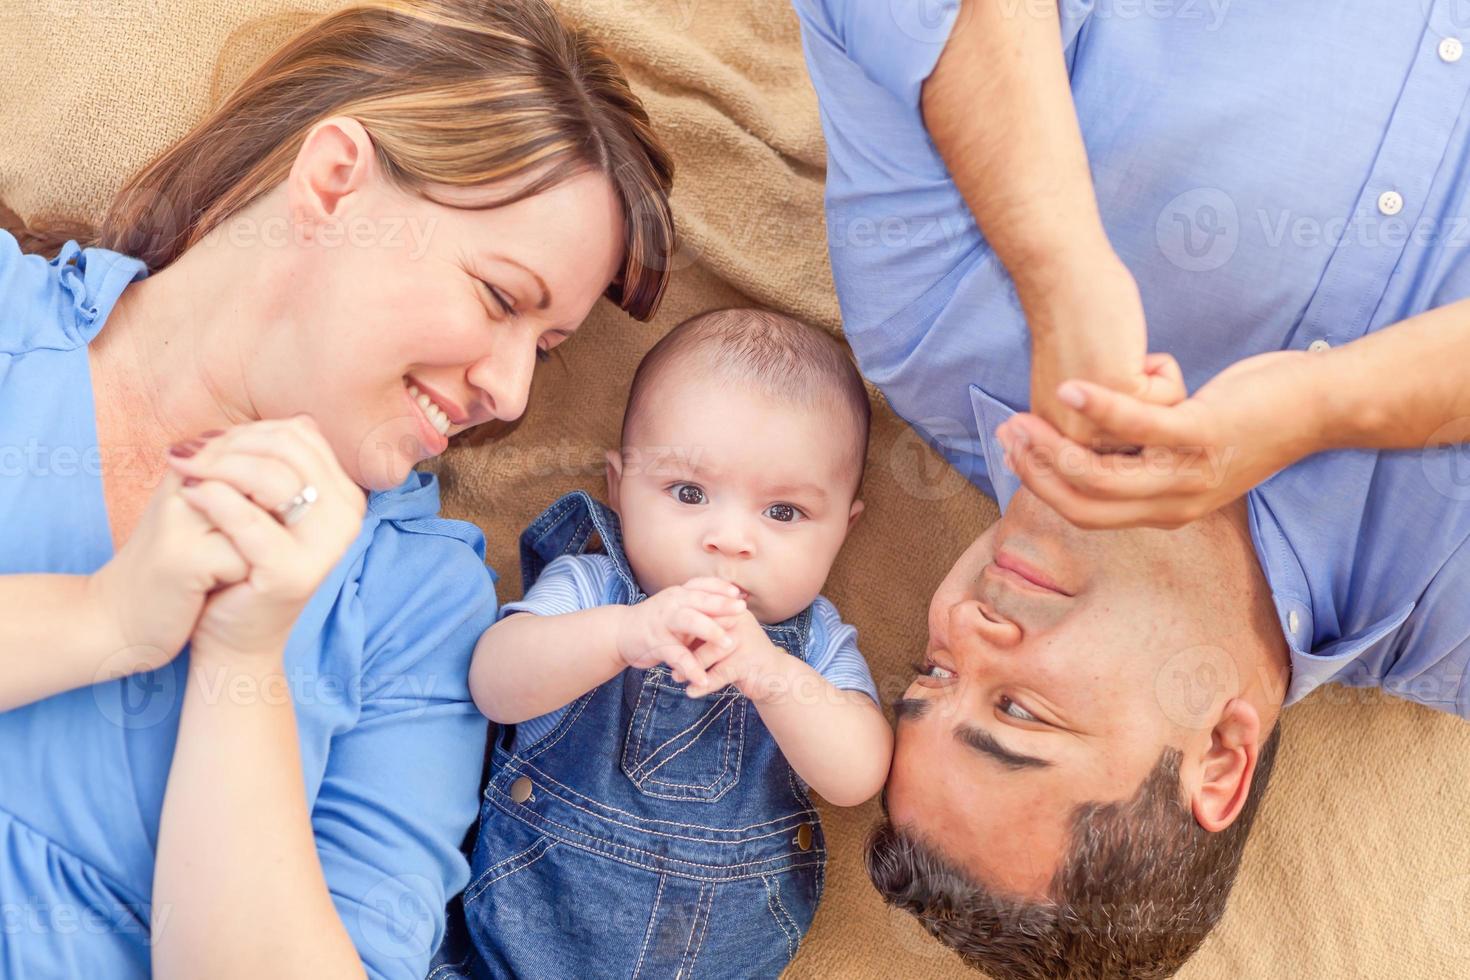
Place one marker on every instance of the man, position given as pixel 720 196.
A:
pixel 1010 189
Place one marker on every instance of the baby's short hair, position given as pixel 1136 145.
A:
pixel 777 353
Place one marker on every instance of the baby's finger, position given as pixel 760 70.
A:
pixel 712 604
pixel 718 586
pixel 691 623
pixel 683 663
pixel 257 536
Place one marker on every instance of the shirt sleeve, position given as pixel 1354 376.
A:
pixel 58 304
pixel 835 653
pixel 401 786
pixel 568 584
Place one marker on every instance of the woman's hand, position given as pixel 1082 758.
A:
pixel 1194 454
pixel 152 591
pixel 241 481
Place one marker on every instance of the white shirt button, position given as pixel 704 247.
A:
pixel 1293 621
pixel 1390 203
pixel 1318 346
pixel 1450 50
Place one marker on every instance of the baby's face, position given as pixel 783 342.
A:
pixel 735 484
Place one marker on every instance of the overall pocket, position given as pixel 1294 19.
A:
pixel 682 748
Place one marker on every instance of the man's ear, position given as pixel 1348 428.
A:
pixel 614 459
pixel 335 159
pixel 1227 767
pixel 852 515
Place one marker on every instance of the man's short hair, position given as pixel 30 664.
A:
pixel 1141 885
pixel 774 353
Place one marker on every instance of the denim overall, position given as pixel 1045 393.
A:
pixel 649 835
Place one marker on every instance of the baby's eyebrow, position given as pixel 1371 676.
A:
pixel 797 489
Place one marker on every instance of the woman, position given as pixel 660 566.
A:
pixel 360 254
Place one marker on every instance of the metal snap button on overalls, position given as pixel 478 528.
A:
pixel 804 837
pixel 520 790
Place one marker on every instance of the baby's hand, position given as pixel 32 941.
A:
pixel 752 664
pixel 154 588
pixel 669 625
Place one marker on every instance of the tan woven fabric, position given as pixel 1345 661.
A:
pixel 1361 865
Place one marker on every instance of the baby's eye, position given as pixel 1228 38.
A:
pixel 1007 706
pixel 785 513
pixel 688 493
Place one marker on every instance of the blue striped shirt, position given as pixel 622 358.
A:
pixel 575 582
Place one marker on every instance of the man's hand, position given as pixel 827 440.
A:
pixel 1086 322
pixel 1198 454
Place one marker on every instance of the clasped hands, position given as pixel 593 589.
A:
pixel 1115 440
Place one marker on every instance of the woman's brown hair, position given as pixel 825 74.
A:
pixel 462 93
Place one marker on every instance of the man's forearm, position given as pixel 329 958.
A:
pixel 1406 386
pixel 999 109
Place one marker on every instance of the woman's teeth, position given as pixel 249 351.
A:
pixel 436 416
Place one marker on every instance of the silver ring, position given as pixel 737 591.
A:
pixel 295 509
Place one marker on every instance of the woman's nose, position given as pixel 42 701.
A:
pixel 503 378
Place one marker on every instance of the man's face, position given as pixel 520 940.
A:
pixel 1034 699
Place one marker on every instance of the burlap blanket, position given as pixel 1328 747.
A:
pixel 1361 864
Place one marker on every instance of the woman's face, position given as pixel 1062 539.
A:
pixel 398 300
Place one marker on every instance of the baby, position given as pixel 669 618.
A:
pixel 675 693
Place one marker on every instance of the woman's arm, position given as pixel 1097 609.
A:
pixel 61 632
pixel 1406 386
pixel 238 888
pixel 54 636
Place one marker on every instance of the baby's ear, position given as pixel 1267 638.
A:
pixel 852 515
pixel 614 459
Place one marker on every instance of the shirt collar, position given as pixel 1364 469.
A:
pixel 991 412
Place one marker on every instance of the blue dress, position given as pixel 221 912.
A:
pixel 391 745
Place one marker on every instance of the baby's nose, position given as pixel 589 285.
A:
pixel 729 541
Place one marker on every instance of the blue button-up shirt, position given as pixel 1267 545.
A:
pixel 378 664
pixel 1276 175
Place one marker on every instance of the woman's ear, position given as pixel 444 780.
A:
pixel 1227 766
pixel 614 459
pixel 852 515
pixel 335 160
